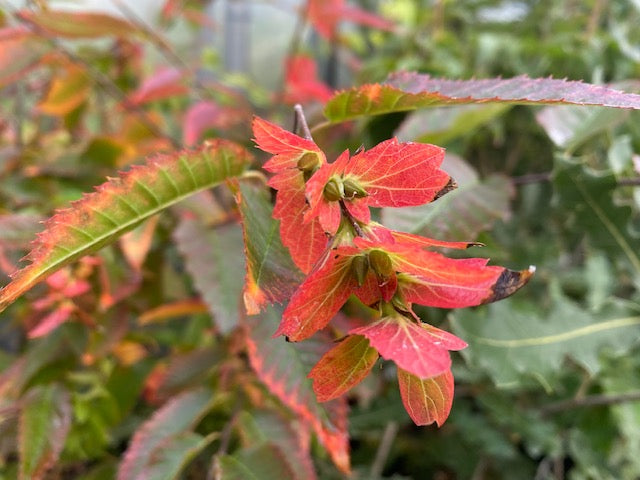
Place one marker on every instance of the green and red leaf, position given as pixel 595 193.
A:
pixel 405 91
pixel 43 426
pixel 426 400
pixel 421 349
pixel 271 275
pixel 342 367
pixel 168 424
pixel 122 203
pixel 283 367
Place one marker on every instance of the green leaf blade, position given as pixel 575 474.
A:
pixel 120 204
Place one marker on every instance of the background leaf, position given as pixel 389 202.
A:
pixel 167 425
pixel 215 261
pixel 460 215
pixel 587 197
pixel 265 462
pixel 43 427
pixel 516 343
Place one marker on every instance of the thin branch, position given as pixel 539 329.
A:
pixel 389 435
pixel 532 178
pixel 590 401
pixel 300 120
pixel 629 182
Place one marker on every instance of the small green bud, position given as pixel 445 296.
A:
pixel 360 268
pixel 309 162
pixel 381 264
pixel 353 189
pixel 333 190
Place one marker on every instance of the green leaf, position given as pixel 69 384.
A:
pixel 570 126
pixel 587 201
pixel 441 125
pixel 271 274
pixel 43 426
pixel 514 340
pixel 166 426
pixel 404 91
pixel 459 215
pixel 215 261
pixel 122 203
pixel 265 462
pixel 175 454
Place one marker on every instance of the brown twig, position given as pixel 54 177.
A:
pixel 590 401
pixel 389 435
pixel 299 120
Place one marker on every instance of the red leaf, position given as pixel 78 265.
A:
pixel 205 115
pixel 302 84
pixel 428 400
pixel 421 349
pixel 306 241
pixel 165 83
pixel 318 298
pixel 286 147
pixel 437 281
pixel 283 367
pixel 324 15
pixel 52 320
pixel 399 174
pixel 392 174
pixel 342 367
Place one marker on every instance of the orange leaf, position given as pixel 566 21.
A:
pixel 428 400
pixel 342 367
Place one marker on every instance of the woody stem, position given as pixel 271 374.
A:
pixel 299 120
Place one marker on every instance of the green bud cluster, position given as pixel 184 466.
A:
pixel 308 164
pixel 376 260
pixel 338 189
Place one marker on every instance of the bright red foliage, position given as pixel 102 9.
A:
pixel 326 224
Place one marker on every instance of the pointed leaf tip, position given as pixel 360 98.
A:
pixel 120 204
pixel 508 283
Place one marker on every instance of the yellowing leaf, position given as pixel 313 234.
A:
pixel 66 93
